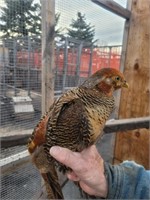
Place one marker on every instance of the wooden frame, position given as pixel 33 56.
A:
pixel 12 162
pixel 111 126
pixel 134 102
pixel 126 124
pixel 48 33
pixel 113 7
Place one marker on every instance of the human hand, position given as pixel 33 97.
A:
pixel 87 166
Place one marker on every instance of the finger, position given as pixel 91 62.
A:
pixel 65 156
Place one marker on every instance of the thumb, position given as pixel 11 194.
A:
pixel 64 155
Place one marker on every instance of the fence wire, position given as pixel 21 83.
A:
pixel 23 183
pixel 21 75
pixel 21 69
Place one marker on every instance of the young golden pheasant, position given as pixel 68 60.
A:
pixel 75 121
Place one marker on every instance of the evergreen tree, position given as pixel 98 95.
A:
pixel 80 30
pixel 57 17
pixel 22 18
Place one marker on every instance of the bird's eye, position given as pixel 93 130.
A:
pixel 117 78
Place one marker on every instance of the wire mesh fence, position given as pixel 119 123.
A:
pixel 22 183
pixel 21 68
pixel 75 59
pixel 21 71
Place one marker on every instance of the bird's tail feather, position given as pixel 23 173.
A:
pixel 48 172
pixel 52 185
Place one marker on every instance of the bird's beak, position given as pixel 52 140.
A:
pixel 125 84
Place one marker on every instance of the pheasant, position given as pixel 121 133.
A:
pixel 75 121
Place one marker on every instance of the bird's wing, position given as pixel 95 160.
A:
pixel 50 120
pixel 68 125
pixel 60 103
pixel 38 135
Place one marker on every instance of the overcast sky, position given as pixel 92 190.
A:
pixel 109 27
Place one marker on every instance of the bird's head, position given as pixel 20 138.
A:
pixel 106 80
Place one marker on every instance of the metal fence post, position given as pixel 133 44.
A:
pixel 109 61
pixel 65 64
pixel 91 59
pixel 3 74
pixel 29 63
pixel 79 62
pixel 15 70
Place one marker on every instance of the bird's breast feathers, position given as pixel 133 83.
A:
pixel 97 117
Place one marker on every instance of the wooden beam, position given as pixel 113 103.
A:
pixel 48 26
pixel 126 124
pixel 113 7
pixel 14 140
pixel 134 102
pixel 123 53
pixel 111 126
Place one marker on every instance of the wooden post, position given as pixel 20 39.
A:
pixel 134 102
pixel 123 54
pixel 48 26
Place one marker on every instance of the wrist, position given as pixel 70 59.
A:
pixel 102 187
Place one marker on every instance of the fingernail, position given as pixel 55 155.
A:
pixel 55 150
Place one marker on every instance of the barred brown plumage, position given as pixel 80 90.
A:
pixel 75 121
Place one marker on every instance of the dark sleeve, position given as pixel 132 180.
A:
pixel 127 181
